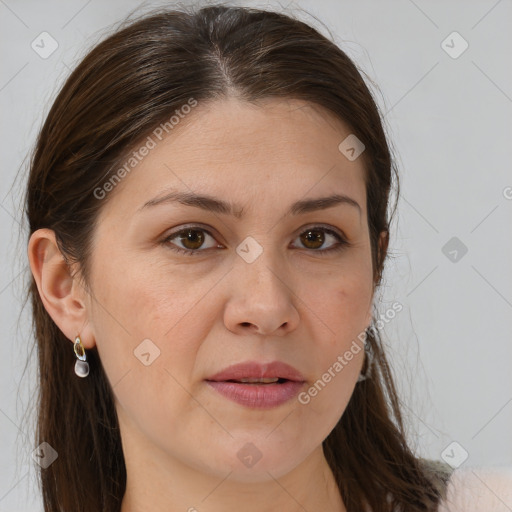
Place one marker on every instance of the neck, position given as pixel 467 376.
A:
pixel 162 484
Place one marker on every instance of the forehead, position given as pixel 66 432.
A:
pixel 259 153
pixel 280 124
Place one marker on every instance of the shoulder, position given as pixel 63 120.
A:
pixel 477 489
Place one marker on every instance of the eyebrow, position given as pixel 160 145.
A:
pixel 216 205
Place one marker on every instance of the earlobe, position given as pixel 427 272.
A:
pixel 383 243
pixel 61 293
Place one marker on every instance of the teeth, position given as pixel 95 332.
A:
pixel 266 380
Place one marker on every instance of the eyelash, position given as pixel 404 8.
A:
pixel 342 242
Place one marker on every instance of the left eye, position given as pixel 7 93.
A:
pixel 193 238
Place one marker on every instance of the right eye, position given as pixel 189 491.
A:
pixel 193 238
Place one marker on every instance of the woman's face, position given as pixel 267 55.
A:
pixel 257 288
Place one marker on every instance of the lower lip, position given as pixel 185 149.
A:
pixel 258 396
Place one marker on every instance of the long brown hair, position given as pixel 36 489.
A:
pixel 122 89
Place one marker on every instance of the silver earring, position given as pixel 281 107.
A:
pixel 81 365
pixel 369 360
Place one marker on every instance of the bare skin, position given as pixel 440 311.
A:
pixel 204 312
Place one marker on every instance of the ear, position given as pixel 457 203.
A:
pixel 63 296
pixel 382 250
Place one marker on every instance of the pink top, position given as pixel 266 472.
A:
pixel 475 489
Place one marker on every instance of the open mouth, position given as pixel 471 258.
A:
pixel 268 380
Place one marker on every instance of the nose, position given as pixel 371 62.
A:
pixel 262 300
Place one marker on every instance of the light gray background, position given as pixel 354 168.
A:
pixel 450 122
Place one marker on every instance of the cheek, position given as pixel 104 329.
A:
pixel 342 305
pixel 339 313
pixel 135 320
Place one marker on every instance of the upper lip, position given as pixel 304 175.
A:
pixel 256 370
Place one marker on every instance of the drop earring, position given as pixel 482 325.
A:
pixel 81 365
pixel 369 359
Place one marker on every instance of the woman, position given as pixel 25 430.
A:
pixel 208 210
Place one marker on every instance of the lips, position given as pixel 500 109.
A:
pixel 258 385
pixel 258 373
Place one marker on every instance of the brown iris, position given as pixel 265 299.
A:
pixel 309 236
pixel 192 236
